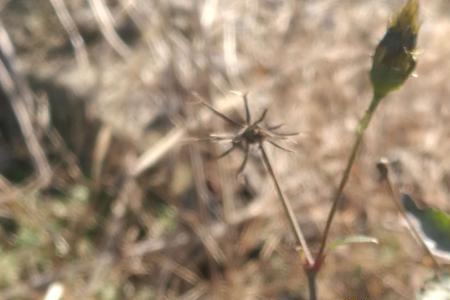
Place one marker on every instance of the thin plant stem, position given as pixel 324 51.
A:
pixel 312 287
pixel 395 198
pixel 287 208
pixel 362 126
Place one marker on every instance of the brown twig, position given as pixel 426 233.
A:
pixel 254 133
pixel 287 207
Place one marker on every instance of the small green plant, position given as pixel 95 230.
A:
pixel 393 62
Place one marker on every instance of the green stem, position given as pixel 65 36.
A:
pixel 362 126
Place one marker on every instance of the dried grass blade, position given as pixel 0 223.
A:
pixel 106 23
pixel 71 28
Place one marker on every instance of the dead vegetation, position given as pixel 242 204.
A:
pixel 133 208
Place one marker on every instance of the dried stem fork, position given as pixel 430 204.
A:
pixel 253 133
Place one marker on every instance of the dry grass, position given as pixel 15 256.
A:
pixel 135 210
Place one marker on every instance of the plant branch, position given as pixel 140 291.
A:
pixel 384 170
pixel 288 208
pixel 362 126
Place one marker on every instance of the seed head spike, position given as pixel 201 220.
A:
pixel 231 149
pixel 221 137
pixel 275 127
pixel 248 117
pixel 218 113
pixel 280 147
pixel 285 134
pixel 262 117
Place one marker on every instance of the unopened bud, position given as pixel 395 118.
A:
pixel 394 58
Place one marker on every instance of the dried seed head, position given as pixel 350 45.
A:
pixel 394 58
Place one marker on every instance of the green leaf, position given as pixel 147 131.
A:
pixel 433 226
pixel 435 289
pixel 353 239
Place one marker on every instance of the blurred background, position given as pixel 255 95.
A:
pixel 106 194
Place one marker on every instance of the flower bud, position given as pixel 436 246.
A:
pixel 394 58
